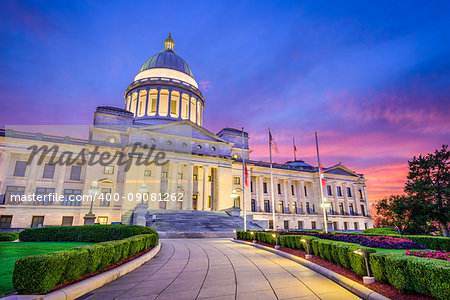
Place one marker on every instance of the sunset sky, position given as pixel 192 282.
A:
pixel 372 77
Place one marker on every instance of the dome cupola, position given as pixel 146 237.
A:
pixel 165 89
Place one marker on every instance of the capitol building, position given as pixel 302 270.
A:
pixel 163 110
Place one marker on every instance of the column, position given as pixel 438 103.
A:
pixel 170 104
pixel 157 103
pixel 180 103
pixel 146 103
pixel 204 199
pixel 260 192
pixel 303 197
pixel 344 187
pixel 356 207
pixel 173 187
pixel 190 186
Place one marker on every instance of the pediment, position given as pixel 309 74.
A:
pixel 340 170
pixel 185 129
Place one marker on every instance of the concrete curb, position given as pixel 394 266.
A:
pixel 85 286
pixel 354 287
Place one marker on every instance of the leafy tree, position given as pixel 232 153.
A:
pixel 403 213
pixel 429 183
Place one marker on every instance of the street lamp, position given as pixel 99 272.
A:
pixel 366 279
pixel 89 218
pixel 307 256
pixel 276 240
pixel 253 236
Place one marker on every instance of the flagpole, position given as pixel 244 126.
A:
pixel 325 220
pixel 271 184
pixel 243 183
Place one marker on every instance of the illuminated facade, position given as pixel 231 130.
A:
pixel 164 108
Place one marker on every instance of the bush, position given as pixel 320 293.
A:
pixel 381 231
pixel 412 274
pixel 89 233
pixel 8 236
pixel 38 274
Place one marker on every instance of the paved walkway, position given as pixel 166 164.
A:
pixel 219 269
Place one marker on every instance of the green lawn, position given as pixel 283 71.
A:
pixel 10 252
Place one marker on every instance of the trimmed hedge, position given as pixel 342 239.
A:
pixel 8 236
pixel 38 274
pixel 408 274
pixel 412 274
pixel 89 233
pixel 382 231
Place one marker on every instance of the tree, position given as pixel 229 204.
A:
pixel 403 213
pixel 429 183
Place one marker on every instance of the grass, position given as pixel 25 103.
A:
pixel 10 252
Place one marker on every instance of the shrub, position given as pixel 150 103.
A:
pixel 8 236
pixel 89 233
pixel 380 231
pixel 39 274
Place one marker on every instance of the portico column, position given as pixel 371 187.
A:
pixel 260 192
pixel 344 186
pixel 180 106
pixel 170 104
pixel 157 102
pixel 190 186
pixel 356 199
pixel 205 170
pixel 303 196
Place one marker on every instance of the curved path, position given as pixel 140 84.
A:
pixel 219 269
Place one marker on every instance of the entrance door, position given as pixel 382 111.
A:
pixel 194 202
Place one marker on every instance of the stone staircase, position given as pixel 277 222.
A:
pixel 193 223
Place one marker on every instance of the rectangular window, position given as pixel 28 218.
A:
pixel 306 192
pixel 209 178
pixel 5 221
pixel 349 192
pixel 335 226
pixel 180 176
pixel 355 224
pixel 67 221
pixel 193 111
pixel 363 212
pixel 266 206
pixel 365 226
pixel 194 177
pixel 341 208
pixel 308 210
pixel 294 207
pixel 163 103
pixel 173 107
pixel 13 194
pixel 72 197
pixel 105 198
pixel 270 224
pixel 286 225
pixel 329 190
pixel 279 188
pixel 108 170
pixel 37 221
pixel 299 224
pixel 133 103
pixel 49 171
pixel 141 104
pixel 281 206
pixel 44 196
pixel 185 106
pixel 345 226
pixel 265 187
pixel 339 191
pixel 361 195
pixel 153 107
pixel 20 168
pixel 163 174
pixel 209 201
pixel 350 208
pixel 313 224
pixel 147 173
pixel 292 190
pixel 251 186
pixel 237 180
pixel 75 173
pixel 102 220
pixel 253 205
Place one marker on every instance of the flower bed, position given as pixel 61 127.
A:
pixel 429 254
pixel 385 242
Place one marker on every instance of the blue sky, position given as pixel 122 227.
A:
pixel 372 77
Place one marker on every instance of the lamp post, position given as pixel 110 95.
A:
pixel 253 236
pixel 276 241
pixel 325 205
pixel 235 210
pixel 307 256
pixel 366 279
pixel 89 218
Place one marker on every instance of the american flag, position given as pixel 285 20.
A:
pixel 272 143
pixel 245 174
